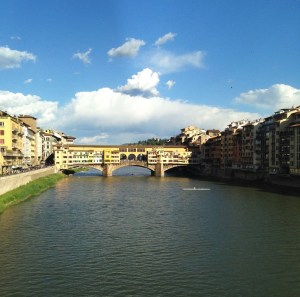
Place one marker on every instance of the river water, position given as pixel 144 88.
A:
pixel 137 235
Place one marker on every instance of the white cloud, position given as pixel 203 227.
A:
pixel 167 37
pixel 123 116
pixel 12 58
pixel 83 57
pixel 28 81
pixel 276 97
pixel 93 139
pixel 49 80
pixel 129 49
pixel 170 84
pixel 15 37
pixel 110 116
pixel 18 103
pixel 143 84
pixel 167 62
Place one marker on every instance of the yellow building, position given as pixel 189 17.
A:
pixel 10 142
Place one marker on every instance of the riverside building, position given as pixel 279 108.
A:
pixel 22 143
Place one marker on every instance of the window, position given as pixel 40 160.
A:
pixel 1 141
pixel 1 124
pixel 1 132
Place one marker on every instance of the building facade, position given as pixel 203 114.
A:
pixel 23 145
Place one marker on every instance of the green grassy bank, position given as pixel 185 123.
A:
pixel 29 190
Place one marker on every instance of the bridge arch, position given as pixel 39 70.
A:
pixel 141 157
pixel 155 169
pixel 144 170
pixel 132 157
pixel 123 157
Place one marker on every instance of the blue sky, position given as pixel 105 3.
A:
pixel 117 71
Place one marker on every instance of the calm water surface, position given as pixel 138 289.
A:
pixel 137 235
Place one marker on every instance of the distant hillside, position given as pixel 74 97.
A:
pixel 150 141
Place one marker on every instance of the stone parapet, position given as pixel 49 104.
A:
pixel 8 183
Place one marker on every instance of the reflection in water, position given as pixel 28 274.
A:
pixel 137 235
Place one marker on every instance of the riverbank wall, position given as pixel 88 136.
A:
pixel 262 179
pixel 11 182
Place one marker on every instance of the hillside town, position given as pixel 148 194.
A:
pixel 270 145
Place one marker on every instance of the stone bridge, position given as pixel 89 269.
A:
pixel 157 169
pixel 157 159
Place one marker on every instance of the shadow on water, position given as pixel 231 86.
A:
pixel 125 171
pixel 258 186
pixel 139 171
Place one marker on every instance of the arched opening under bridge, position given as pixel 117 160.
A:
pixel 132 171
pixel 132 157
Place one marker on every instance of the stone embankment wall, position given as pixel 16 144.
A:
pixel 254 178
pixel 8 183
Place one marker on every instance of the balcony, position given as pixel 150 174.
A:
pixel 12 154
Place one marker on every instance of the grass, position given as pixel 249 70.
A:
pixel 29 190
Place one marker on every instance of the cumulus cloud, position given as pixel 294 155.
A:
pixel 143 84
pixel 167 37
pixel 122 116
pixel 28 81
pixel 12 58
pixel 167 62
pixel 108 116
pixel 18 103
pixel 170 84
pixel 275 97
pixel 129 49
pixel 83 57
pixel 113 112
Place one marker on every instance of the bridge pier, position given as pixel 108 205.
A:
pixel 107 170
pixel 159 170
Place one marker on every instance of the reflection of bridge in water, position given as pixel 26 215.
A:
pixel 157 159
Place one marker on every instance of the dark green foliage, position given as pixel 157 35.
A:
pixel 151 141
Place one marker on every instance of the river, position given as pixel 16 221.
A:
pixel 137 235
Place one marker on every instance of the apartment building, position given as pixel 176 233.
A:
pixel 230 140
pixel 270 145
pixel 39 146
pixel 250 156
pixel 191 136
pixel 23 144
pixel 213 152
pixel 28 138
pixel 51 139
pixel 31 138
pixel 293 130
pixel 11 134
pixel 49 142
